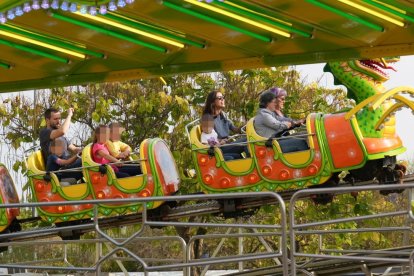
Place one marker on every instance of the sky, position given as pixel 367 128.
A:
pixel 404 76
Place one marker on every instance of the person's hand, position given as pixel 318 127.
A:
pixel 119 164
pixel 70 111
pixel 289 124
pixel 223 141
pixel 77 150
pixel 299 122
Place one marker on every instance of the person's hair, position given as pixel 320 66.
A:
pixel 277 91
pixel 209 105
pixel 114 124
pixel 265 98
pixel 49 111
pixel 207 118
pixel 98 129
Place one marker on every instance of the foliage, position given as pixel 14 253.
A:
pixel 147 109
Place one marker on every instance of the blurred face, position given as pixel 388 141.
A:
pixel 280 102
pixel 207 126
pixel 54 121
pixel 102 135
pixel 272 105
pixel 115 133
pixel 58 148
pixel 219 100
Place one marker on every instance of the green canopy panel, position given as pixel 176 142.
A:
pixel 47 44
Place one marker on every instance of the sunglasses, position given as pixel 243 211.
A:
pixel 220 98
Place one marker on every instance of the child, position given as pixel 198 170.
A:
pixel 209 135
pixel 57 161
pixel 100 153
pixel 116 147
pixel 120 150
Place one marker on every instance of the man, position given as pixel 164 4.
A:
pixel 54 130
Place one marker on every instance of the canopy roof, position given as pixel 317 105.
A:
pixel 46 44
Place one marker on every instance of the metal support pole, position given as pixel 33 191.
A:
pixel 216 251
pixel 240 249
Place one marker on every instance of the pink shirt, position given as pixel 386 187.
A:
pixel 101 147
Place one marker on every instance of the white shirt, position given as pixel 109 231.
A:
pixel 209 138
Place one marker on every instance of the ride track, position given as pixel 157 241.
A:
pixel 167 212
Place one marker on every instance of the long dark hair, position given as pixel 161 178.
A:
pixel 209 106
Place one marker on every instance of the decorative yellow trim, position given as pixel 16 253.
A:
pixel 238 17
pixel 391 7
pixel 390 93
pixel 402 102
pixel 42 44
pixel 360 106
pixel 74 191
pixel 373 12
pixel 132 30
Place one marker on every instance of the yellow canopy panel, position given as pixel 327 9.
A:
pixel 58 43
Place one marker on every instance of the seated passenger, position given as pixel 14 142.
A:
pixel 100 153
pixel 58 161
pixel 214 106
pixel 281 94
pixel 209 136
pixel 268 124
pixel 120 150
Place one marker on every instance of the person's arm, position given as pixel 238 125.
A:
pixel 56 133
pixel 271 122
pixel 101 153
pixel 64 162
pixel 125 149
pixel 74 149
pixel 232 127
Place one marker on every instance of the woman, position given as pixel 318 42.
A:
pixel 214 106
pixel 269 123
pixel 280 95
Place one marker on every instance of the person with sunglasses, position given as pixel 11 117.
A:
pixel 281 95
pixel 214 106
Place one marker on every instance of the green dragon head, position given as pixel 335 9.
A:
pixel 362 78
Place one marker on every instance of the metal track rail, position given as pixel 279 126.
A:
pixel 163 213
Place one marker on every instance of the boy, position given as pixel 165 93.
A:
pixel 121 150
pixel 57 160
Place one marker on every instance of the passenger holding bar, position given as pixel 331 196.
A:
pixel 269 122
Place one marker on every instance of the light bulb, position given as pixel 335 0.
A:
pixel 55 4
pixel 19 11
pixel 35 5
pixel 3 19
pixel 64 6
pixel 121 3
pixel 92 10
pixel 102 9
pixel 10 15
pixel 112 6
pixel 27 7
pixel 45 4
pixel 83 9
pixel 73 7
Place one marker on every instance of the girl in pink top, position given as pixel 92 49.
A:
pixel 100 153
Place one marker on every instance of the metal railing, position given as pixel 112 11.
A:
pixel 184 263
